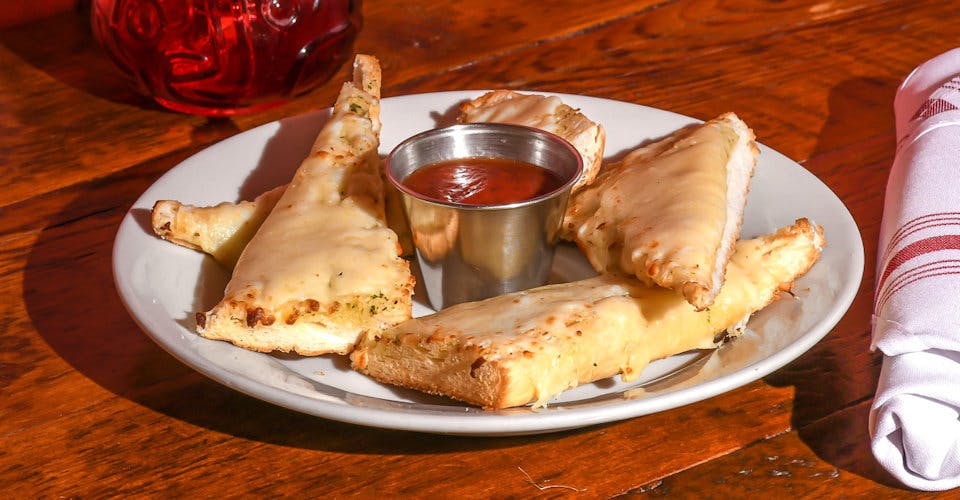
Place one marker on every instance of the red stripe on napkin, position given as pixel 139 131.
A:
pixel 924 222
pixel 916 249
pixel 933 107
pixel 928 270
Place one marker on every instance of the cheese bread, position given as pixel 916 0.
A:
pixel 529 346
pixel 669 213
pixel 221 230
pixel 323 266
pixel 547 113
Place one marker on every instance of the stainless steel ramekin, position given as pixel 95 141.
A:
pixel 470 252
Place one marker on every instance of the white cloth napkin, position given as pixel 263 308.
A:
pixel 914 422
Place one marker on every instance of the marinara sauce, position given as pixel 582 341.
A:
pixel 482 181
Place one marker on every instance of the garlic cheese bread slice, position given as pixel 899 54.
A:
pixel 669 213
pixel 547 113
pixel 323 266
pixel 222 230
pixel 529 346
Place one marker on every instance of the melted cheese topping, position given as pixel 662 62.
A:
pixel 670 212
pixel 308 266
pixel 510 324
pixel 520 109
pixel 556 337
pixel 223 230
pixel 671 207
pixel 323 266
pixel 326 237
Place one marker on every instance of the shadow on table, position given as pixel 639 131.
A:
pixel 69 36
pixel 835 380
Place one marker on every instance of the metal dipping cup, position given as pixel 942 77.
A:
pixel 473 252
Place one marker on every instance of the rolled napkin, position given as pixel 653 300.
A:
pixel 915 418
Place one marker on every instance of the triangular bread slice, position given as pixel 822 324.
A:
pixel 547 113
pixel 221 230
pixel 528 346
pixel 323 267
pixel 669 213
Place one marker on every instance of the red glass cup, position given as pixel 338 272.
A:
pixel 223 57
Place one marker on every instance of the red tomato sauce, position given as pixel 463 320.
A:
pixel 482 181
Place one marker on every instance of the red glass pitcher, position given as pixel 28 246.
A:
pixel 223 57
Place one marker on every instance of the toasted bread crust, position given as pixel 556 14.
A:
pixel 163 219
pixel 308 327
pixel 740 170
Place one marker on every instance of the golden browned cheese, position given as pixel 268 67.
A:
pixel 323 267
pixel 529 346
pixel 670 212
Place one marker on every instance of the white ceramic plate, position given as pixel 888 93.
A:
pixel 162 284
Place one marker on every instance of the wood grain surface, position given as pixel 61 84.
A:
pixel 92 408
pixel 17 12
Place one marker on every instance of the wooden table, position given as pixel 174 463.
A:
pixel 91 407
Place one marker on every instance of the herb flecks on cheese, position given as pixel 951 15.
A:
pixel 323 267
